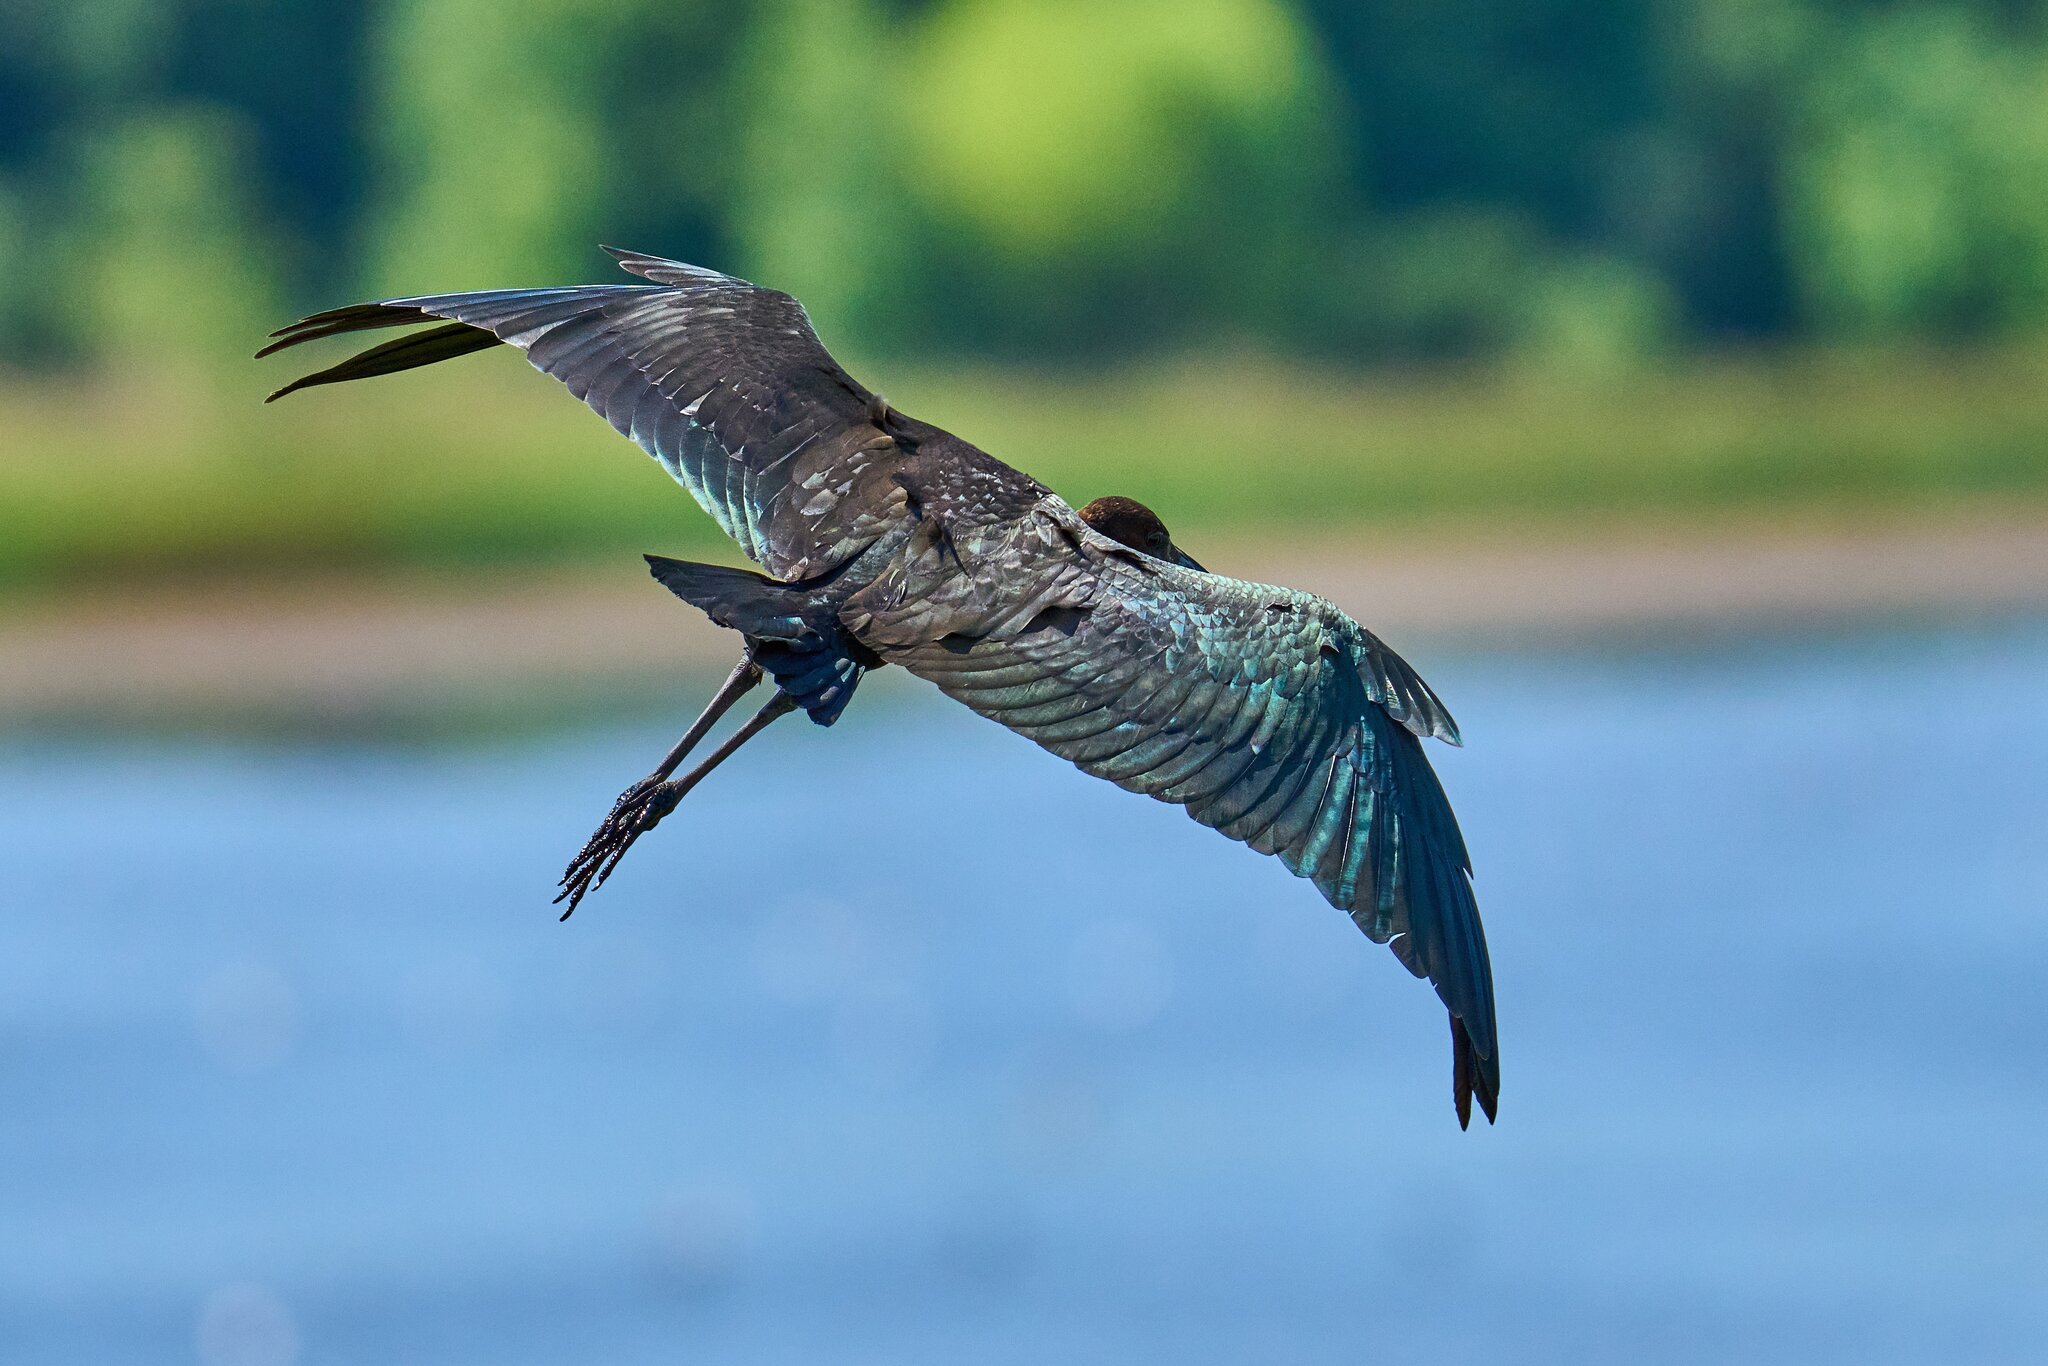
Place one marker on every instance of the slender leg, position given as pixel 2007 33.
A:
pixel 655 799
pixel 745 675
pixel 738 684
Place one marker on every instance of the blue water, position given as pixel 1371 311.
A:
pixel 906 1043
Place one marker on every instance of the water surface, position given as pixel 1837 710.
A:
pixel 905 1042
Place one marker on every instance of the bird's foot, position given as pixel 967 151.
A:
pixel 639 809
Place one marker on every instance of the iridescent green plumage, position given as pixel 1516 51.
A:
pixel 1267 713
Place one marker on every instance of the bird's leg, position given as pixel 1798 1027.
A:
pixel 745 676
pixel 743 679
pixel 653 798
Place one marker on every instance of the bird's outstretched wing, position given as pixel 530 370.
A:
pixel 723 382
pixel 1268 713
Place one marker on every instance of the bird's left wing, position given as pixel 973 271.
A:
pixel 1267 713
pixel 723 382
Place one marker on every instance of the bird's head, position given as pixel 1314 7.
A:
pixel 1129 522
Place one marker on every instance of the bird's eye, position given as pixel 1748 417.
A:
pixel 1157 540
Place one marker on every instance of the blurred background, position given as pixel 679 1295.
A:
pixel 1668 379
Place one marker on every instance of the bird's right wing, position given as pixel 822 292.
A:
pixel 723 382
pixel 1267 713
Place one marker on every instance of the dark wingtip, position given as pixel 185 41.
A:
pixel 1472 1075
pixel 291 334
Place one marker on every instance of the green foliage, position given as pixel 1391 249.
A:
pixel 497 162
pixel 163 271
pixel 1103 172
pixel 1574 183
pixel 1595 317
pixel 484 464
pixel 1918 192
pixel 1098 125
pixel 815 196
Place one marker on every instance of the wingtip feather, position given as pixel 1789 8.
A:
pixel 1472 1075
pixel 664 271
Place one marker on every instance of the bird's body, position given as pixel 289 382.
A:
pixel 1266 712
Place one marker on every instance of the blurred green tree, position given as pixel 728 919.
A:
pixel 167 260
pixel 1917 180
pixel 1588 180
pixel 1099 171
pixel 817 197
pixel 497 162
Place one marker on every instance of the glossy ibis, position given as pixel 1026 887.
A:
pixel 1267 713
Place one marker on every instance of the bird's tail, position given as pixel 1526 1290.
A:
pixel 752 604
pixel 1472 1075
pixel 795 636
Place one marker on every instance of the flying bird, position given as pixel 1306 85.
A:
pixel 1267 713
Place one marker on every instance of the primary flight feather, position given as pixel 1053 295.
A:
pixel 1267 713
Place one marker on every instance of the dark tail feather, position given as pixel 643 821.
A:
pixel 796 638
pixel 751 603
pixel 401 353
pixel 1472 1075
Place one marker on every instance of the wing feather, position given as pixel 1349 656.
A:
pixel 678 365
pixel 1332 818
pixel 1267 714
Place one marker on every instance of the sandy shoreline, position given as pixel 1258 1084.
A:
pixel 312 647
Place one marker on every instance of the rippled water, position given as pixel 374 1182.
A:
pixel 906 1043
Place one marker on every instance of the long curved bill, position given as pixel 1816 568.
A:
pixel 1187 561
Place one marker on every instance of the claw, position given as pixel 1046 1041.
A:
pixel 639 809
pixel 642 806
pixel 631 797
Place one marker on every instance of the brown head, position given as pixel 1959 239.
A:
pixel 1131 523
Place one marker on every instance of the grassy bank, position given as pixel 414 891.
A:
pixel 482 463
